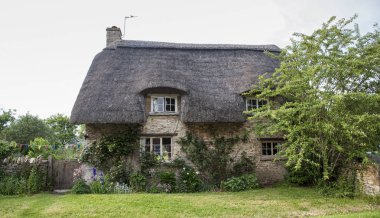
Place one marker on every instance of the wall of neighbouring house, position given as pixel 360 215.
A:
pixel 268 171
pixel 369 178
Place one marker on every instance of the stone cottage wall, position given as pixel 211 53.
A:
pixel 369 177
pixel 268 171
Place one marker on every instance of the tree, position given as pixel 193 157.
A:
pixel 6 118
pixel 63 130
pixel 26 128
pixel 329 85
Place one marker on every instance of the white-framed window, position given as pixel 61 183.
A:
pixel 270 148
pixel 164 103
pixel 160 146
pixel 254 103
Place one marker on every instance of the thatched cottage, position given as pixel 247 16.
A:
pixel 172 88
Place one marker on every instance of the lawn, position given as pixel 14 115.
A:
pixel 267 202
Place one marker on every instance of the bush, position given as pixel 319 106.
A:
pixel 305 176
pixel 34 181
pixel 137 182
pixel 242 183
pixel 345 186
pixel 214 159
pixel 7 149
pixel 244 165
pixel 120 172
pixel 13 185
pixel 80 187
pixel 102 185
pixel 188 181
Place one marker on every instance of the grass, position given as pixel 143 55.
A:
pixel 267 202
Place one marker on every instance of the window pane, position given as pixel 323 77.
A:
pixel 167 100
pixel 275 147
pixel 166 141
pixel 156 146
pixel 167 108
pixel 167 152
pixel 172 101
pixel 158 104
pixel 172 108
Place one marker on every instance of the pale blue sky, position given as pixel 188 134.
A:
pixel 46 46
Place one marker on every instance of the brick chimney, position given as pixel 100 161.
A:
pixel 113 34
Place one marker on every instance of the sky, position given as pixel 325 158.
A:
pixel 47 46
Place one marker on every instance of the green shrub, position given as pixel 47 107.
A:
pixel 213 159
pixel 242 183
pixel 306 176
pixel 7 149
pixel 120 172
pixel 34 181
pixel 345 186
pixel 13 185
pixel 244 165
pixel 167 181
pixel 147 161
pixel 188 180
pixel 80 187
pixel 102 186
pixel 137 182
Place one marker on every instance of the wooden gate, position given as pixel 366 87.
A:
pixel 62 173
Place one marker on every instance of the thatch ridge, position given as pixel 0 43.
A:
pixel 209 78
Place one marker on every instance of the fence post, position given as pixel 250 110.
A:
pixel 50 170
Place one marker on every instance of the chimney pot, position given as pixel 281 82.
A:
pixel 113 34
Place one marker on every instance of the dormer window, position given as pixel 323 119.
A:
pixel 254 103
pixel 164 104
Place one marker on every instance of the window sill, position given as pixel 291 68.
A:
pixel 272 158
pixel 163 114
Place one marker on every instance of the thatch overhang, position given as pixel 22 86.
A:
pixel 209 78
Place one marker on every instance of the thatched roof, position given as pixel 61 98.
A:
pixel 210 79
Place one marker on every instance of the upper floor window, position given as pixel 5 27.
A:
pixel 254 103
pixel 163 103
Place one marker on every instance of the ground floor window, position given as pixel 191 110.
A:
pixel 160 146
pixel 270 147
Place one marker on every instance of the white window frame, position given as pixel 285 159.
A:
pixel 257 102
pixel 143 141
pixel 271 147
pixel 164 106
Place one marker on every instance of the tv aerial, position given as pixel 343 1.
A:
pixel 125 21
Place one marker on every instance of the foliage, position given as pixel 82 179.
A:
pixel 80 187
pixel 34 181
pixel 242 183
pixel 29 180
pixel 346 185
pixel 120 172
pixel 63 130
pixel 111 149
pixel 26 128
pixel 39 146
pixel 13 185
pixel 7 148
pixel 147 161
pixel 213 161
pixel 6 117
pixel 138 182
pixel 188 180
pixel 307 175
pixel 244 165
pixel 122 188
pixel 328 85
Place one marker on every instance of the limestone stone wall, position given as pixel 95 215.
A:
pixel 369 177
pixel 268 171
